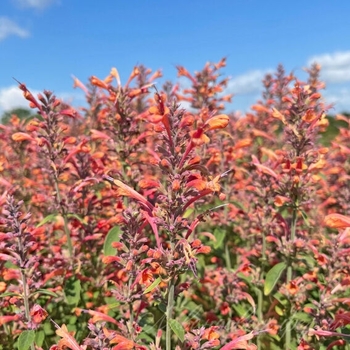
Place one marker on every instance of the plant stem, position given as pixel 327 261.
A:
pixel 290 276
pixel 26 301
pixel 227 257
pixel 259 312
pixel 169 312
pixel 65 220
pixel 25 287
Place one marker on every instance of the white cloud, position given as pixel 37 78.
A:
pixel 37 4
pixel 12 97
pixel 248 83
pixel 8 27
pixel 335 67
pixel 340 98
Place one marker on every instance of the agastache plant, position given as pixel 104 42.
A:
pixel 293 182
pixel 18 247
pixel 48 134
pixel 174 249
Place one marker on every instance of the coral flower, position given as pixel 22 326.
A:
pixel 337 221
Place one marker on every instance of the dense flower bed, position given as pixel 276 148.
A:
pixel 136 224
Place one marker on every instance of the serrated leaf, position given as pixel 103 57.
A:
pixel 177 329
pixel 153 285
pixel 26 339
pixel 39 338
pixel 273 276
pixel 220 236
pixel 48 218
pixel 72 291
pixel 112 236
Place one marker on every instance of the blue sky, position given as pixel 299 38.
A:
pixel 44 42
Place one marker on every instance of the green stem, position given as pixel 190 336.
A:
pixel 169 313
pixel 264 247
pixel 24 283
pixel 227 257
pixel 290 275
pixel 260 313
pixel 26 300
pixel 65 221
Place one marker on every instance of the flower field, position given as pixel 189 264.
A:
pixel 133 223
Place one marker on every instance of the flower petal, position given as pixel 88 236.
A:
pixel 337 221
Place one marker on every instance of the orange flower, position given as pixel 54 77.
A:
pixel 160 110
pixel 337 221
pixel 309 116
pixel 243 143
pixel 198 137
pixel 211 333
pixel 110 259
pixel 148 183
pixel 183 72
pixel 28 96
pixel 278 115
pixel 98 82
pixel 8 318
pixel 125 190
pixel 217 122
pixel 202 185
pixel 292 287
pixel 21 136
pixel 280 200
pixel 67 339
pixel 38 314
pixel 176 185
pixel 79 84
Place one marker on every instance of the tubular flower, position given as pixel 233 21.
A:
pixel 337 221
pixel 216 122
pixel 125 190
pixel 28 96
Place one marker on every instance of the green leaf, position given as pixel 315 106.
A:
pixel 26 339
pixel 220 236
pixel 177 329
pixel 10 294
pixel 273 276
pixel 72 291
pixel 48 218
pixel 304 215
pixel 45 292
pixel 162 307
pixel 188 213
pixel 238 205
pixel 240 309
pixel 302 316
pixel 78 218
pixel 39 338
pixel 112 236
pixel 153 285
pixel 279 311
pixel 346 330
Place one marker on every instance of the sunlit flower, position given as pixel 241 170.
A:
pixel 337 221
